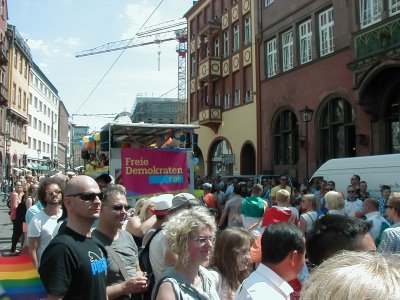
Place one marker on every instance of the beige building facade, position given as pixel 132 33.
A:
pixel 222 85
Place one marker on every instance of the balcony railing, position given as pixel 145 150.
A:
pixel 211 117
pixel 210 69
pixel 212 27
pixel 383 38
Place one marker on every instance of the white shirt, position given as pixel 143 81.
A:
pixel 377 221
pixel 42 226
pixel 157 251
pixel 350 207
pixel 262 284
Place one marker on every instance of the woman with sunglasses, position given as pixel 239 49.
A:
pixel 190 234
pixel 41 227
pixel 229 273
pixel 390 241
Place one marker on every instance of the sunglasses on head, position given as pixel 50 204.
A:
pixel 119 207
pixel 87 196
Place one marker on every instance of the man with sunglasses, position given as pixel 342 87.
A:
pixel 283 184
pixel 120 246
pixel 74 265
pixel 353 206
pixel 41 228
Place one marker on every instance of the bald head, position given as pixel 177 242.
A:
pixel 81 183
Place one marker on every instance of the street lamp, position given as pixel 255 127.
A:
pixel 6 145
pixel 306 115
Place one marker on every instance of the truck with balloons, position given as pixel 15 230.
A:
pixel 148 159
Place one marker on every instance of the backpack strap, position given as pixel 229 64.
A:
pixel 118 261
pixel 151 238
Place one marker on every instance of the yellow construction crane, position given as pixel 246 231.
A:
pixel 157 34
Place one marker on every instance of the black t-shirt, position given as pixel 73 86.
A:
pixel 75 267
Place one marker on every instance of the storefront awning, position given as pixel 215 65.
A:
pixel 18 170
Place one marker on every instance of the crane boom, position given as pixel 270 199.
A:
pixel 124 44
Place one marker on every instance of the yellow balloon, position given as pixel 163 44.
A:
pixel 85 139
pixel 196 169
pixel 96 136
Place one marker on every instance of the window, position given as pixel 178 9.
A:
pixel 249 96
pixel 247 31
pixel 305 35
pixel 287 50
pixel 227 103
pixel 326 32
pixel 34 123
pixel 216 48
pixel 15 59
pixel 35 102
pixel 286 149
pixel 19 97
pixel 370 12
pixel 217 100
pixel 20 63
pixel 30 98
pixel 271 58
pixel 394 7
pixel 337 130
pixel 24 102
pixel 226 43
pixel 236 37
pixel 14 93
pixel 268 2
pixel 237 98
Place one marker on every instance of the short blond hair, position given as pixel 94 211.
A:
pixel 282 196
pixel 334 200
pixel 355 275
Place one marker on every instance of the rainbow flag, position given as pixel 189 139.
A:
pixel 19 279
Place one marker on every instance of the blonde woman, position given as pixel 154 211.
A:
pixel 309 216
pixel 355 275
pixel 334 203
pixel 142 220
pixel 190 234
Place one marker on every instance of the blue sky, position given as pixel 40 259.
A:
pixel 58 29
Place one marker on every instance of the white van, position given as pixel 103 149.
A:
pixel 375 170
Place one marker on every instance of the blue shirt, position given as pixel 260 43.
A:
pixel 33 210
pixel 390 241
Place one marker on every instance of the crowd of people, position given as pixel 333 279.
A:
pixel 234 241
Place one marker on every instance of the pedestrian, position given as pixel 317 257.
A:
pixel 283 256
pixel 16 198
pixel 41 228
pixel 74 265
pixel 229 273
pixel 390 241
pixel 190 234
pixel 124 277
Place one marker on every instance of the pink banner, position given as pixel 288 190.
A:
pixel 151 171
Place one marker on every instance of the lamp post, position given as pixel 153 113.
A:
pixel 306 115
pixel 6 139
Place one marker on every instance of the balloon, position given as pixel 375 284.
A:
pixel 91 138
pixel 85 139
pixel 182 138
pixel 90 145
pixel 169 141
pixel 96 136
pixel 81 143
pixel 196 169
pixel 196 161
